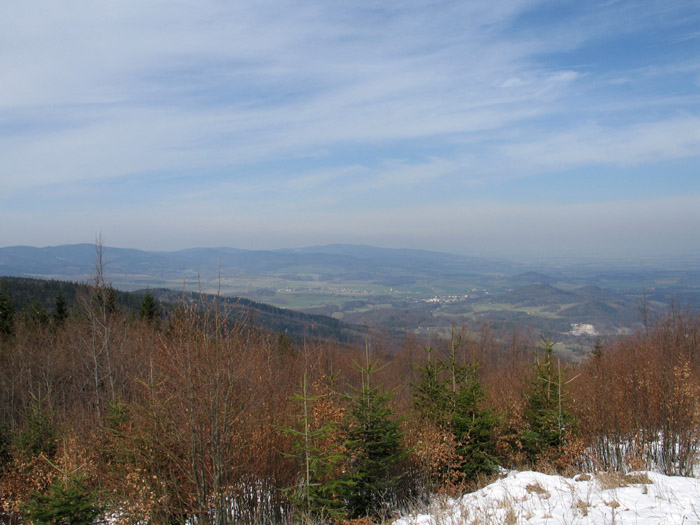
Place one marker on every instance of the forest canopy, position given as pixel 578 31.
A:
pixel 170 416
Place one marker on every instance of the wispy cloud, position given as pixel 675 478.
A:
pixel 598 145
pixel 204 104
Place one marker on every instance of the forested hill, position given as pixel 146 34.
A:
pixel 41 295
pixel 291 322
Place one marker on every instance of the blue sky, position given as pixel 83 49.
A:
pixel 514 127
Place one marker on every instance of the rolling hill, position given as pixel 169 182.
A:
pixel 29 293
pixel 390 289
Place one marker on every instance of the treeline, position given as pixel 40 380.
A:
pixel 191 418
pixel 40 298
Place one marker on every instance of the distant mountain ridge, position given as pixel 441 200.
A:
pixel 396 289
pixel 77 261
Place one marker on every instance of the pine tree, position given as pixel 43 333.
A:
pixel 7 315
pixel 110 300
pixel 429 394
pixel 316 495
pixel 597 350
pixel 66 502
pixel 374 449
pixel 149 310
pixel 450 395
pixel 39 437
pixel 36 315
pixel 61 312
pixel 549 423
pixel 473 426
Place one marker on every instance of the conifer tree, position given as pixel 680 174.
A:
pixel 36 315
pixel 450 395
pixel 149 310
pixel 473 426
pixel 374 449
pixel 597 351
pixel 66 502
pixel 7 315
pixel 317 494
pixel 549 422
pixel 61 312
pixel 39 437
pixel 109 299
pixel 429 394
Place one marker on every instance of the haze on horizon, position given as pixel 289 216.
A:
pixel 491 128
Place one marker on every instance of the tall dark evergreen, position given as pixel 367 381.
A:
pixel 7 315
pixel 374 450
pixel 61 310
pixel 149 310
pixel 110 299
pixel 597 351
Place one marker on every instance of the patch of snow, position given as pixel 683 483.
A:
pixel 582 329
pixel 536 498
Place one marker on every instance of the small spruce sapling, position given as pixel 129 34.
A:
pixel 316 496
pixel 549 424
pixel 473 426
pixel 374 448
pixel 39 437
pixel 66 502
pixel 450 395
pixel 429 394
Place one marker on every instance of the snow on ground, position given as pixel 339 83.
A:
pixel 641 498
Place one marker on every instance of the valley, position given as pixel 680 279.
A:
pixel 413 291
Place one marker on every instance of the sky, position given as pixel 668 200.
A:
pixel 499 127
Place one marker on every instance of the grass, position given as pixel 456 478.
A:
pixel 615 480
pixel 536 488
